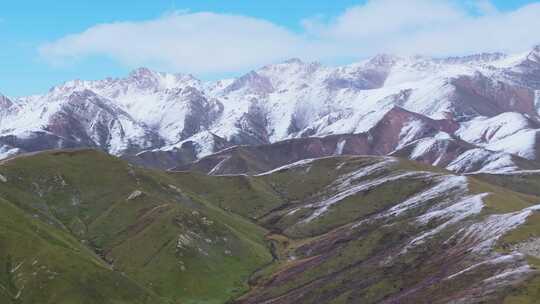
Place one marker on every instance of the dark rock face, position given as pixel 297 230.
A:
pixel 480 95
pixel 386 134
pixel 38 141
pixel 202 112
pixel 253 126
pixel 73 123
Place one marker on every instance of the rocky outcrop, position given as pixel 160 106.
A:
pixel 480 95
pixel 201 112
pixel 399 127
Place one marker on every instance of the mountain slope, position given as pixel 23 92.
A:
pixel 398 133
pixel 135 225
pixel 44 264
pixel 381 230
pixel 330 230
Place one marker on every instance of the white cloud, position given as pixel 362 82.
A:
pixel 214 43
pixel 198 42
pixel 389 17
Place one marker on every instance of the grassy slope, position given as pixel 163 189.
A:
pixel 328 275
pixel 193 238
pixel 43 264
pixel 527 187
pixel 171 241
pixel 271 197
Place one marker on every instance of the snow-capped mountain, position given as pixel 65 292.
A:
pixel 453 112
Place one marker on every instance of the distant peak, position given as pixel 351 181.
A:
pixel 535 53
pixel 383 59
pixel 254 81
pixel 293 61
pixel 4 102
pixel 141 72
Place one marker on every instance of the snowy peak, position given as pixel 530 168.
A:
pixel 534 55
pixel 382 61
pixel 144 78
pixel 6 107
pixel 141 80
pixel 252 83
pixel 5 102
pixel 90 119
pixel 296 61
pixel 142 73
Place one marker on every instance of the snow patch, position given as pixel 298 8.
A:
pixel 453 213
pixel 485 234
pixel 504 259
pixel 6 152
pixel 219 165
pixel 446 186
pixel 135 194
pixel 482 161
pixel 509 274
pixel 411 131
pixel 339 147
pixel 507 132
pixel 297 164
pixel 438 145
pixel 323 206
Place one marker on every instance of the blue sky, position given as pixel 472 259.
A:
pixel 231 37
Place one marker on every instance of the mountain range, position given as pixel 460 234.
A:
pixel 476 113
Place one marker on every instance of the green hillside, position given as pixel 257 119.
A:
pixel 103 231
pixel 84 227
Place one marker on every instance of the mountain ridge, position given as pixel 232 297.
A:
pixel 171 119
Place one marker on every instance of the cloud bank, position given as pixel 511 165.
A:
pixel 207 43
